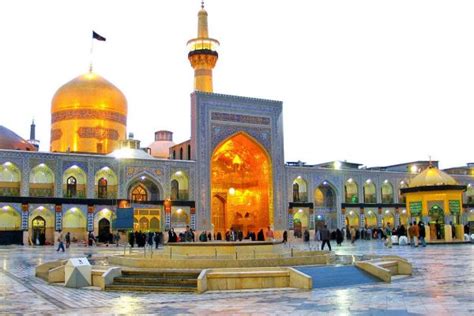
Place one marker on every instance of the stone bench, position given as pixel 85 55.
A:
pixel 386 267
pixel 252 278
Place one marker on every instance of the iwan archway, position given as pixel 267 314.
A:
pixel 241 185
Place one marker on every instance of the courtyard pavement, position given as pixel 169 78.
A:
pixel 442 283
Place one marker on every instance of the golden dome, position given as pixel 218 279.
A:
pixel 89 91
pixel 88 115
pixel 432 177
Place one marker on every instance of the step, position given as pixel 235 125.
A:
pixel 162 274
pixel 142 288
pixel 154 281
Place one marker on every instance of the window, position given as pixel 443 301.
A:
pixel 102 188
pixel 174 190
pixel 71 187
pixel 139 194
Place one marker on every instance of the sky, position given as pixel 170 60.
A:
pixel 373 82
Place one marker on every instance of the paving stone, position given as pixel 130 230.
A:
pixel 442 283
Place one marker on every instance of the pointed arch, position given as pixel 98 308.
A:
pixel 152 187
pixel 179 186
pixel 387 192
pixel 41 181
pixel 325 196
pixel 10 218
pixel 10 179
pixel 241 174
pixel 370 192
pixel 39 232
pixel 401 197
pixel 74 182
pixel 351 191
pixel 75 223
pixel 106 183
pixel 300 190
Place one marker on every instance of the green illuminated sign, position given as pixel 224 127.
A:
pixel 454 207
pixel 415 208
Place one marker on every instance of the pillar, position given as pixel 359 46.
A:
pixel 90 218
pixel 193 218
pixel 379 217
pixel 361 218
pixel 397 218
pixel 343 218
pixel 311 219
pixel 58 218
pixel 167 206
pixel 25 216
pixel 290 219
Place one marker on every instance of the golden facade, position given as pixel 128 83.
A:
pixel 88 115
pixel 241 186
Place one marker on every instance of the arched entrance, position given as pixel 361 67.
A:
pixel 325 204
pixel 388 218
pixel 104 230
pixel 39 230
pixel 143 189
pixel 241 185
pixel 436 222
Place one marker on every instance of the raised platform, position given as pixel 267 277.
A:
pixel 221 255
pixel 216 248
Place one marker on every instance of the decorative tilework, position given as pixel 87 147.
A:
pixel 88 114
pixel 98 133
pixel 240 118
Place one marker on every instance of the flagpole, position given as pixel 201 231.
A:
pixel 91 55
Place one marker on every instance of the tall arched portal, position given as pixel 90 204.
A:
pixel 241 185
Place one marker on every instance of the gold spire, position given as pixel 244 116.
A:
pixel 202 54
pixel 202 23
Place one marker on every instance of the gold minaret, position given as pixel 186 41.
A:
pixel 202 54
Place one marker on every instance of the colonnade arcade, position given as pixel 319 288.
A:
pixel 42 182
pixel 306 215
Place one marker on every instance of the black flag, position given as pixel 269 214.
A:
pixel 98 37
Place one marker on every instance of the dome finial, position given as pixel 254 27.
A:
pixel 202 4
pixel 430 162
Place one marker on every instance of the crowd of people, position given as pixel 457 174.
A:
pixel 415 235
pixel 142 239
pixel 230 235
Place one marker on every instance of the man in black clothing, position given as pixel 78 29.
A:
pixel 325 237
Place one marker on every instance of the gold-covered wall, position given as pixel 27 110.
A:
pixel 88 115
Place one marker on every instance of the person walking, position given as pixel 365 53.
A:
pixel 317 237
pixel 388 234
pixel 269 234
pixel 68 239
pixel 285 237
pixel 416 234
pixel 325 237
pixel 339 237
pixel 353 234
pixel 306 237
pixel 60 244
pixel 172 237
pixel 411 235
pixel 422 233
